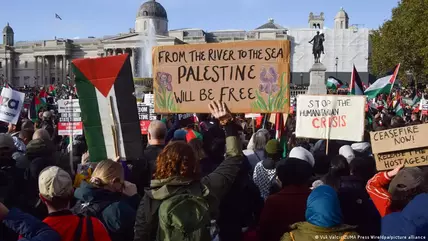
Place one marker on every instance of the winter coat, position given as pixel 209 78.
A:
pixel 118 217
pixel 142 170
pixel 29 227
pixel 281 210
pixel 308 232
pixel 357 207
pixel 412 221
pixel 214 186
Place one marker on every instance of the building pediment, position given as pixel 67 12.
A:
pixel 135 37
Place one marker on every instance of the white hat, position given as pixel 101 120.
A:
pixel 302 154
pixel 55 182
pixel 347 152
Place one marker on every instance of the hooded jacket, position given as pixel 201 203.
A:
pixel 119 216
pixel 323 217
pixel 412 221
pixel 212 187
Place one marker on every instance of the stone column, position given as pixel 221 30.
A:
pixel 56 68
pixel 35 66
pixel 49 71
pixel 42 75
pixel 317 84
pixel 63 74
pixel 132 59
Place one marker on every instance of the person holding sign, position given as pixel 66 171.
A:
pixel 404 185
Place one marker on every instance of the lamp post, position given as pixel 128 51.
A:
pixel 337 61
pixel 301 79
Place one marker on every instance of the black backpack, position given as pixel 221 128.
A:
pixel 89 229
pixel 91 209
pixel 7 184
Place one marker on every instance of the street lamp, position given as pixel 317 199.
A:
pixel 301 79
pixel 337 61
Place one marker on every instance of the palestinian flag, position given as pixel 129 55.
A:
pixel 52 90
pixel 109 109
pixel 398 109
pixel 333 83
pixel 383 85
pixel 416 98
pixel 35 106
pixel 356 87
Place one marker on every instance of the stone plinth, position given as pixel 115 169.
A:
pixel 317 80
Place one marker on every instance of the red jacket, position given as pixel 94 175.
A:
pixel 282 210
pixel 65 224
pixel 378 193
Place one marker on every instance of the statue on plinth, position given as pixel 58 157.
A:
pixel 318 46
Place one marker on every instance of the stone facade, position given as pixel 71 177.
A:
pixel 48 61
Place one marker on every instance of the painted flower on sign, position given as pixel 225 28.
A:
pixel 268 81
pixel 164 80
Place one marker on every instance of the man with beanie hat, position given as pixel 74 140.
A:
pixel 288 205
pixel 56 191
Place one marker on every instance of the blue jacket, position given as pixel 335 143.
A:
pixel 413 220
pixel 29 227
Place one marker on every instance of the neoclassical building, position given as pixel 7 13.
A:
pixel 48 61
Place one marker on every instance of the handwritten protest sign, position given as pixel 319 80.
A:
pixel 406 145
pixel 11 102
pixel 250 76
pixel 332 117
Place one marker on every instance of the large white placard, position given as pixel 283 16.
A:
pixel 334 117
pixel 11 102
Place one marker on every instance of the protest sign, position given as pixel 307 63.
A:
pixel 404 145
pixel 11 102
pixel 250 76
pixel 149 99
pixel 67 105
pixel 423 106
pixel 70 121
pixel 334 117
pixel 145 114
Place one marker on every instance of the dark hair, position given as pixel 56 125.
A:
pixel 177 159
pixel 293 171
pixel 198 149
pixel 214 142
pixel 363 167
pixel 27 125
pixel 322 163
pixel 59 203
pixel 339 167
pixel 18 125
pixel 26 134
pixel 397 121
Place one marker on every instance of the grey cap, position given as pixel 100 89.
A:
pixel 6 141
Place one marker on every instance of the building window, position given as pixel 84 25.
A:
pixel 145 13
pixel 16 63
pixel 341 24
pixel 26 64
pixel 26 80
pixel 145 25
pixel 1 65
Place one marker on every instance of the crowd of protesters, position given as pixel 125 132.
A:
pixel 210 179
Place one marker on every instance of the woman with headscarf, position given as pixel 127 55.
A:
pixel 323 219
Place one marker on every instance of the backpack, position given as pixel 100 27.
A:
pixel 7 185
pixel 184 217
pixel 91 209
pixel 89 230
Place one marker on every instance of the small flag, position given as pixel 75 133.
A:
pixel 52 90
pixel 398 108
pixel 415 97
pixel 57 16
pixel 333 83
pixel 356 87
pixel 383 85
pixel 35 106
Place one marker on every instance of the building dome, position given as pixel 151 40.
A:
pixel 342 14
pixel 8 29
pixel 152 8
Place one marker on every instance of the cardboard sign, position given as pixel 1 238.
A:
pixel 335 117
pixel 250 76
pixel 70 128
pixel 394 147
pixel 11 102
